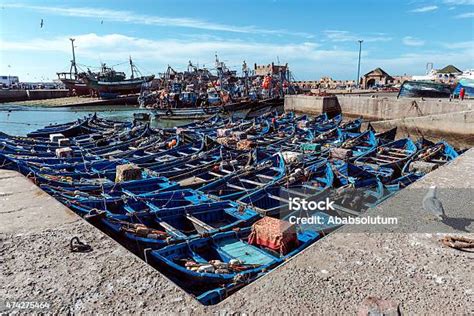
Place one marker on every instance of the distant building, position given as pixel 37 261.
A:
pixel 272 69
pixel 307 84
pixel 325 83
pixel 379 77
pixel 376 77
pixel 9 80
pixel 400 79
pixel 448 74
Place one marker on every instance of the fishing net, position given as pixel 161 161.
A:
pixel 275 234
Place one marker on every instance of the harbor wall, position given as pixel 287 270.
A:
pixel 312 105
pixel 23 95
pixel 375 108
pixel 457 128
pixel 388 108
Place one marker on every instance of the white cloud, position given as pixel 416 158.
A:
pixel 467 15
pixel 305 58
pixel 114 45
pixel 414 63
pixel 468 45
pixel 425 9
pixel 412 41
pixel 459 2
pixel 345 36
pixel 143 19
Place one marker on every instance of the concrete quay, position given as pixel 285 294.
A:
pixel 38 94
pixel 405 264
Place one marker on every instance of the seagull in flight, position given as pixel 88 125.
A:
pixel 41 24
pixel 432 205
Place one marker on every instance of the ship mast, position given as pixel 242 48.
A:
pixel 73 61
pixel 131 67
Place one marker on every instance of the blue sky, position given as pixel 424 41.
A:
pixel 316 38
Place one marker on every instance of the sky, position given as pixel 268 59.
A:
pixel 316 38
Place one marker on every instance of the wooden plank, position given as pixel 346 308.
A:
pixel 212 173
pixel 251 182
pixel 389 157
pixel 278 198
pixel 397 154
pixel 199 222
pixel 381 160
pixel 191 181
pixel 233 186
pixel 310 187
pixel 170 228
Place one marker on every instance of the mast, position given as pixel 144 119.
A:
pixel 131 67
pixel 245 70
pixel 73 61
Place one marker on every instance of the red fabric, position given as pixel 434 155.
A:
pixel 274 234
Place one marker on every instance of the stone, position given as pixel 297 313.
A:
pixel 373 306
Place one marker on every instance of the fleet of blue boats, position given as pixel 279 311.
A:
pixel 197 196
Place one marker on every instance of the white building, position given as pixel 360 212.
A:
pixel 9 80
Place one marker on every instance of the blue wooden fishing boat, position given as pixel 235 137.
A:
pixel 158 227
pixel 359 145
pixel 274 199
pixel 83 202
pixel 328 124
pixel 348 174
pixel 106 186
pixel 351 126
pixel 237 259
pixel 248 180
pixel 392 155
pixel 205 170
pixel 430 157
pixel 352 201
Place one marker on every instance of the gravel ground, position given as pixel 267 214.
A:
pixel 333 276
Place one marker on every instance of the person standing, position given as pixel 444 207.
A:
pixel 462 93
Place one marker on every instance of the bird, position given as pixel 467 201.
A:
pixel 433 205
pixel 42 23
